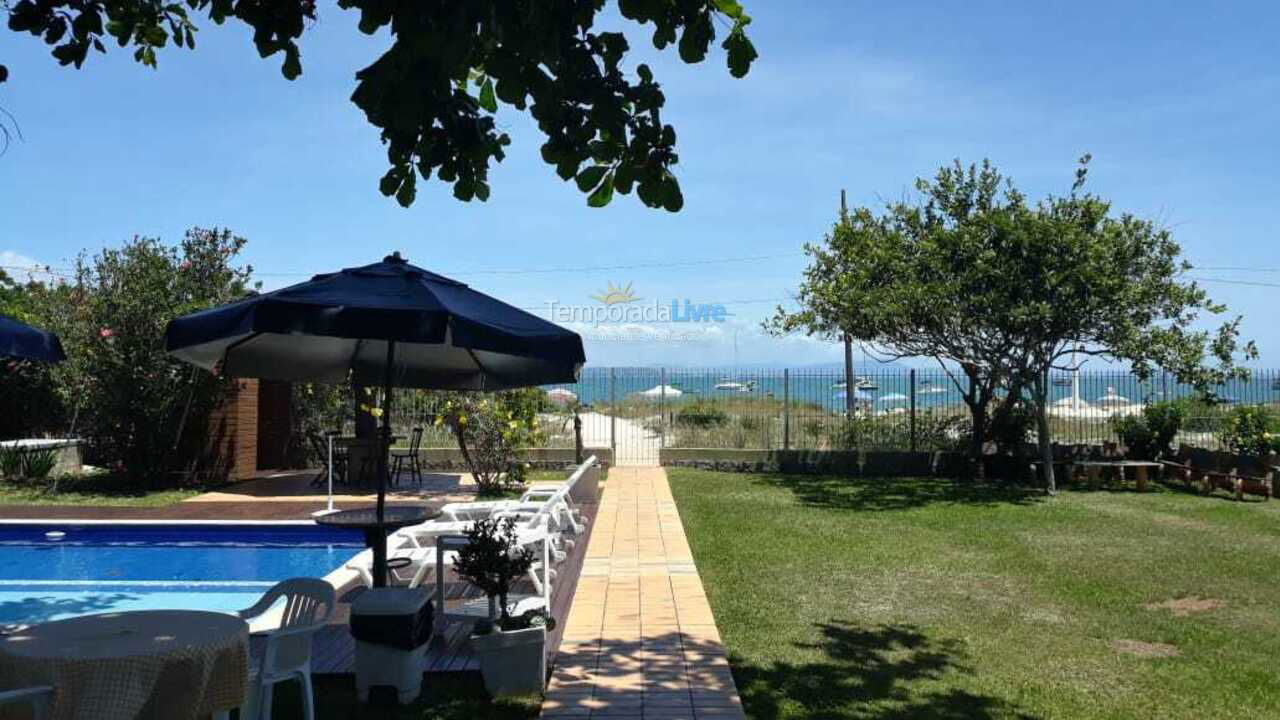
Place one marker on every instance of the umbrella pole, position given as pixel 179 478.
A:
pixel 380 548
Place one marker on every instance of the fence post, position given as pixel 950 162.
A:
pixel 913 409
pixel 786 409
pixel 662 404
pixel 613 415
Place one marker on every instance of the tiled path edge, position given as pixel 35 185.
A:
pixel 640 640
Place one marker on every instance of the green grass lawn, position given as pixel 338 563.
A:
pixel 87 490
pixel 921 598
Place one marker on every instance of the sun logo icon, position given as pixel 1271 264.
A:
pixel 615 295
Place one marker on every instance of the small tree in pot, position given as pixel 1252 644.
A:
pixel 511 648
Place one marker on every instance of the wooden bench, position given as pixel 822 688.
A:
pixel 1241 475
pixel 1209 470
pixel 1182 466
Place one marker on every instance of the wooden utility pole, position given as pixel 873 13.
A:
pixel 849 388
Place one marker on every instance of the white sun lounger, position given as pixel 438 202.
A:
pixel 531 501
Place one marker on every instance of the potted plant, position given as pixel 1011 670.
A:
pixel 511 649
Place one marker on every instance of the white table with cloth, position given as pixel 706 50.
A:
pixel 172 664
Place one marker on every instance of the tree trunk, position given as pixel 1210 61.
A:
pixel 481 482
pixel 978 438
pixel 1041 390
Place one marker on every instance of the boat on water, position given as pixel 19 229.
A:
pixel 931 390
pixel 734 386
pixel 865 383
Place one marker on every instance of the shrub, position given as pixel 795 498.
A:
pixel 493 561
pixel 17 463
pixel 702 415
pixel 490 430
pixel 1250 430
pixel 1012 427
pixel 1149 435
pixel 127 397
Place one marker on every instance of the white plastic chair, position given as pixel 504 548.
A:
pixel 39 698
pixel 308 604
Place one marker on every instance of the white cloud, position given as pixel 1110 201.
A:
pixel 23 268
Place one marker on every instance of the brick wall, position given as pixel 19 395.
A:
pixel 233 430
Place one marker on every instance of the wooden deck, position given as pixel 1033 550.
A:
pixel 333 651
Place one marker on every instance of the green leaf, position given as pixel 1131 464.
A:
pixel 603 194
pixel 390 182
pixel 646 75
pixel 4 73
pixel 487 99
pixel 156 35
pixel 590 177
pixel 292 67
pixel 408 190
pixel 672 198
pixel 741 53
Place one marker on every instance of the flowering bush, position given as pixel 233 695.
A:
pixel 145 415
pixel 1251 430
pixel 490 430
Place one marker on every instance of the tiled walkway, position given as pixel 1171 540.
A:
pixel 640 640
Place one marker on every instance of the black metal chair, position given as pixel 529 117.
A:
pixel 319 449
pixel 400 457
pixel 320 446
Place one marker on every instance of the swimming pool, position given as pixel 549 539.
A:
pixel 100 567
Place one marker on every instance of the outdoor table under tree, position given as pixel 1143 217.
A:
pixel 389 324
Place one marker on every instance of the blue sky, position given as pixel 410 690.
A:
pixel 1178 107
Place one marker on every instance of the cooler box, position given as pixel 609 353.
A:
pixel 391 627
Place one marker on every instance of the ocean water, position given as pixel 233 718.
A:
pixel 930 389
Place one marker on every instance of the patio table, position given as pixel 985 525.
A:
pixel 180 664
pixel 376 529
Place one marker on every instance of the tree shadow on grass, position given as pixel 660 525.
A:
pixel 867 673
pixel 870 494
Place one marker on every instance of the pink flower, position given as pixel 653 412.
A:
pixel 186 265
pixel 106 332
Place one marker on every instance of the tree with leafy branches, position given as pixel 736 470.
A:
pixel 1081 280
pixel 1006 291
pixel 911 281
pixel 435 91
pixel 144 414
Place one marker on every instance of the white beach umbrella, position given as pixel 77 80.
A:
pixel 662 390
pixel 561 396
pixel 1112 400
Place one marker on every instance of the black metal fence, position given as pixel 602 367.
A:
pixel 636 411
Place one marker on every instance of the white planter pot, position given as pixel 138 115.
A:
pixel 514 662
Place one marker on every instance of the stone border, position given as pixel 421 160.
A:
pixel 69 452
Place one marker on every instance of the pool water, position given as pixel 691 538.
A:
pixel 105 567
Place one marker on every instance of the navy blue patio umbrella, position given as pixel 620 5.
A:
pixel 27 343
pixel 390 324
